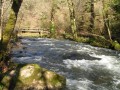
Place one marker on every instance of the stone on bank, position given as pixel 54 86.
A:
pixel 33 77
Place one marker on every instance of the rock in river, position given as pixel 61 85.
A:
pixel 33 77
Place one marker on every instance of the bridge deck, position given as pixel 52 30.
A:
pixel 41 32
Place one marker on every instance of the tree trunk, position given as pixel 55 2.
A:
pixel 92 19
pixel 72 18
pixel 9 28
pixel 106 21
pixel 1 18
pixel 52 24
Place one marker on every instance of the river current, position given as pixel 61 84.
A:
pixel 85 67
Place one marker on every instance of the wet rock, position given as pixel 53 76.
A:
pixel 103 80
pixel 33 77
pixel 79 56
pixel 118 86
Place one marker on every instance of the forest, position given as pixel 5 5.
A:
pixel 80 22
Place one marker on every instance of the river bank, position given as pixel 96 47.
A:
pixel 92 39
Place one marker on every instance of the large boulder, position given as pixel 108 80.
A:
pixel 33 77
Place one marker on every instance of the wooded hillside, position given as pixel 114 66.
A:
pixel 100 17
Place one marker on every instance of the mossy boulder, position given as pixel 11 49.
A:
pixel 29 73
pixel 33 77
pixel 53 80
pixel 116 45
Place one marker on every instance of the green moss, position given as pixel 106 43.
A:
pixel 82 39
pixel 52 29
pixel 58 81
pixel 68 36
pixel 54 80
pixel 6 81
pixel 33 76
pixel 29 73
pixel 113 43
pixel 8 30
pixel 73 27
pixel 99 42
pixel 1 86
pixel 116 45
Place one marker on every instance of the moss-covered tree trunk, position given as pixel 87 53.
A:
pixel 72 18
pixel 106 20
pixel 1 17
pixel 52 23
pixel 10 25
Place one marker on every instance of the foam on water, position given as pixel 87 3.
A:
pixel 27 59
pixel 83 84
pixel 26 40
pixel 79 84
pixel 110 62
pixel 107 62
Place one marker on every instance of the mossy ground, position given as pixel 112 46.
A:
pixel 94 41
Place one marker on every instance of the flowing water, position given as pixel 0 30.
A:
pixel 85 67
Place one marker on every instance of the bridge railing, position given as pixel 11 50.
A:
pixel 41 31
pixel 24 30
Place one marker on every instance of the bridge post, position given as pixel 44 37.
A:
pixel 41 31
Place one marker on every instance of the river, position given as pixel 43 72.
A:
pixel 85 67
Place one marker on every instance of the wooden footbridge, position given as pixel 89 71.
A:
pixel 39 31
